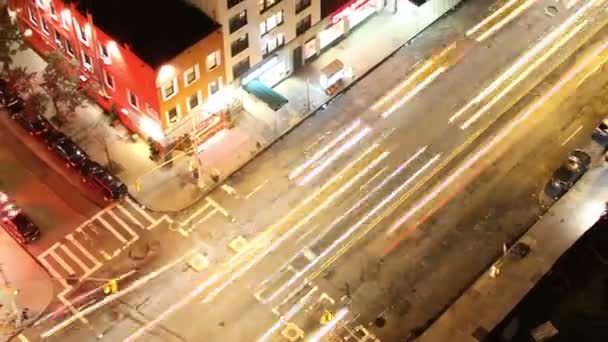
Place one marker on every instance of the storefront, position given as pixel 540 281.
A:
pixel 270 72
pixel 345 18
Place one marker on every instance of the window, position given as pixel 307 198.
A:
pixel 273 43
pixel 173 114
pixel 69 48
pixel 237 21
pixel 191 75
pixel 239 45
pixel 302 5
pixel 87 61
pixel 266 4
pixel 271 22
pixel 58 39
pixel 213 60
pixel 232 3
pixel 53 10
pixel 82 34
pixel 303 25
pixel 103 51
pixel 45 25
pixel 66 19
pixel 240 68
pixel 194 100
pixel 109 79
pixel 133 100
pixel 169 89
pixel 214 87
pixel 31 10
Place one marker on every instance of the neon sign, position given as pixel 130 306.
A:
pixel 347 10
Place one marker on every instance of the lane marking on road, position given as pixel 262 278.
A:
pixel 378 104
pixel 43 254
pixel 130 216
pixel 229 190
pixel 298 170
pixel 124 225
pixel 421 86
pixel 76 259
pixel 62 262
pixel 256 189
pixel 197 212
pixel 572 135
pixel 373 177
pixel 217 206
pixel 83 250
pixel 491 17
pixel 53 272
pixel 505 20
pixel 571 3
pixel 140 210
pixel 114 232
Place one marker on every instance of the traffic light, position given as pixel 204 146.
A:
pixel 111 287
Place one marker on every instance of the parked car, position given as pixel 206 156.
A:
pixel 71 153
pixel 568 174
pixel 9 99
pixel 7 207
pixel 600 134
pixel 112 187
pixel 35 125
pixel 52 136
pixel 21 228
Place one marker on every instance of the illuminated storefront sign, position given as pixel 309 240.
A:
pixel 347 10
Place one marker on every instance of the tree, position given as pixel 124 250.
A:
pixel 11 40
pixel 61 82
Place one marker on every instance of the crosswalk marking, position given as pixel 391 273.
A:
pixel 62 262
pixel 53 272
pixel 83 250
pixel 75 258
pixel 109 227
pixel 196 213
pixel 129 215
pixel 122 223
pixel 217 206
pixel 140 210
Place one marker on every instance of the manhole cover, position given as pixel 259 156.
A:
pixel 551 11
pixel 380 322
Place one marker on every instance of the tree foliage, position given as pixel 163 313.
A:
pixel 11 41
pixel 61 83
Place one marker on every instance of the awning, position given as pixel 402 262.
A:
pixel 273 99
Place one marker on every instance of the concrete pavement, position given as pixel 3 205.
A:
pixel 20 271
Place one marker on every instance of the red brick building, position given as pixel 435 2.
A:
pixel 157 65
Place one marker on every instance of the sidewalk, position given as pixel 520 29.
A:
pixel 20 271
pixel 485 304
pixel 172 188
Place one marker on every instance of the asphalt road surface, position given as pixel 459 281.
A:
pixel 350 220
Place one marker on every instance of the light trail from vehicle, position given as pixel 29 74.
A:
pixel 337 154
pixel 525 59
pixel 413 92
pixel 504 21
pixel 295 173
pixel 335 222
pixel 427 65
pixel 481 155
pixel 491 17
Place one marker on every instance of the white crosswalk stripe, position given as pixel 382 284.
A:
pixel 101 238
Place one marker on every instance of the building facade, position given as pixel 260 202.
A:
pixel 157 78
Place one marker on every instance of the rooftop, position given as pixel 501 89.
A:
pixel 156 31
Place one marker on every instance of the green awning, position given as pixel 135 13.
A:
pixel 273 99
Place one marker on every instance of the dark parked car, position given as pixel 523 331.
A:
pixel 568 173
pixel 34 125
pixel 92 172
pixel 52 136
pixel 71 153
pixel 22 228
pixel 600 134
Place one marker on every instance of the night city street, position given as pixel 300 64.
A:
pixel 396 190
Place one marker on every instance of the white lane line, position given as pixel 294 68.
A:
pixel 217 206
pixel 140 210
pixel 198 212
pixel 257 188
pixel 53 272
pixel 572 135
pixel 295 173
pixel 206 217
pixel 130 216
pixel 373 177
pixel 505 20
pixel 83 250
pixel 414 91
pixel 349 144
pixel 76 259
pixel 134 236
pixel 109 227
pixel 402 85
pixel 62 262
pixel 45 253
pixel 489 18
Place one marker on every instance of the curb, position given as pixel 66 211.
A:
pixel 303 118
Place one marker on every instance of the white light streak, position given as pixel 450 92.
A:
pixel 414 91
pixel 407 81
pixel 505 21
pixel 349 144
pixel 329 326
pixel 295 173
pixel 489 18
